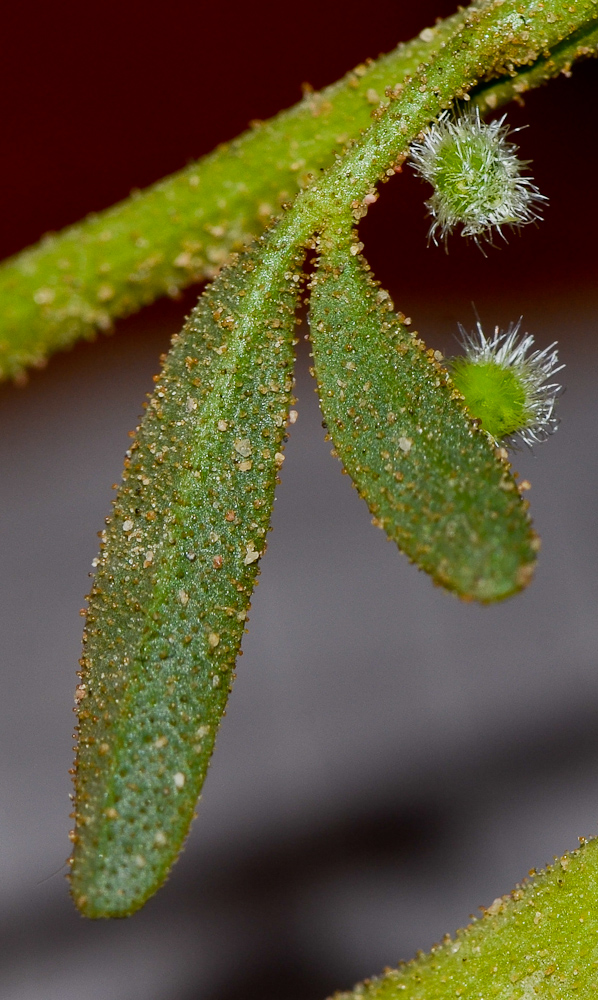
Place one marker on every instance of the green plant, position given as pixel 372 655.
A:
pixel 181 550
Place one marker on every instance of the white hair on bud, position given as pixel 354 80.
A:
pixel 477 177
pixel 511 350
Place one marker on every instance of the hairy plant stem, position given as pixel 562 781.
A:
pixel 491 39
pixel 181 230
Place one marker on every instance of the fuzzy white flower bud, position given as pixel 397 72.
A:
pixel 506 385
pixel 477 177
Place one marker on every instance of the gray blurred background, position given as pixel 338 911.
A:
pixel 391 758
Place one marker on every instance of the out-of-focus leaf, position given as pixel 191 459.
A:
pixel 539 941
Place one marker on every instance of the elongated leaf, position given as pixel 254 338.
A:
pixel 177 566
pixel 429 476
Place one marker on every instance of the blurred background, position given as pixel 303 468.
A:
pixel 391 758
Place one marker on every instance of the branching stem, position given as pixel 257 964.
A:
pixel 182 229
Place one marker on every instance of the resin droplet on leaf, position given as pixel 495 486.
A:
pixel 506 385
pixel 477 177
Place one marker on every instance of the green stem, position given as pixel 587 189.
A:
pixel 492 39
pixel 495 94
pixel 182 229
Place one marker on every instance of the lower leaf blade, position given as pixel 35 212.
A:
pixel 178 563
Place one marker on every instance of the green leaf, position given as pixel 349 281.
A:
pixel 178 562
pixel 430 477
pixel 540 941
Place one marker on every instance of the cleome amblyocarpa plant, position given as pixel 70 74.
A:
pixel 181 549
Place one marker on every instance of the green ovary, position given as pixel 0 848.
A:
pixel 470 184
pixel 495 395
